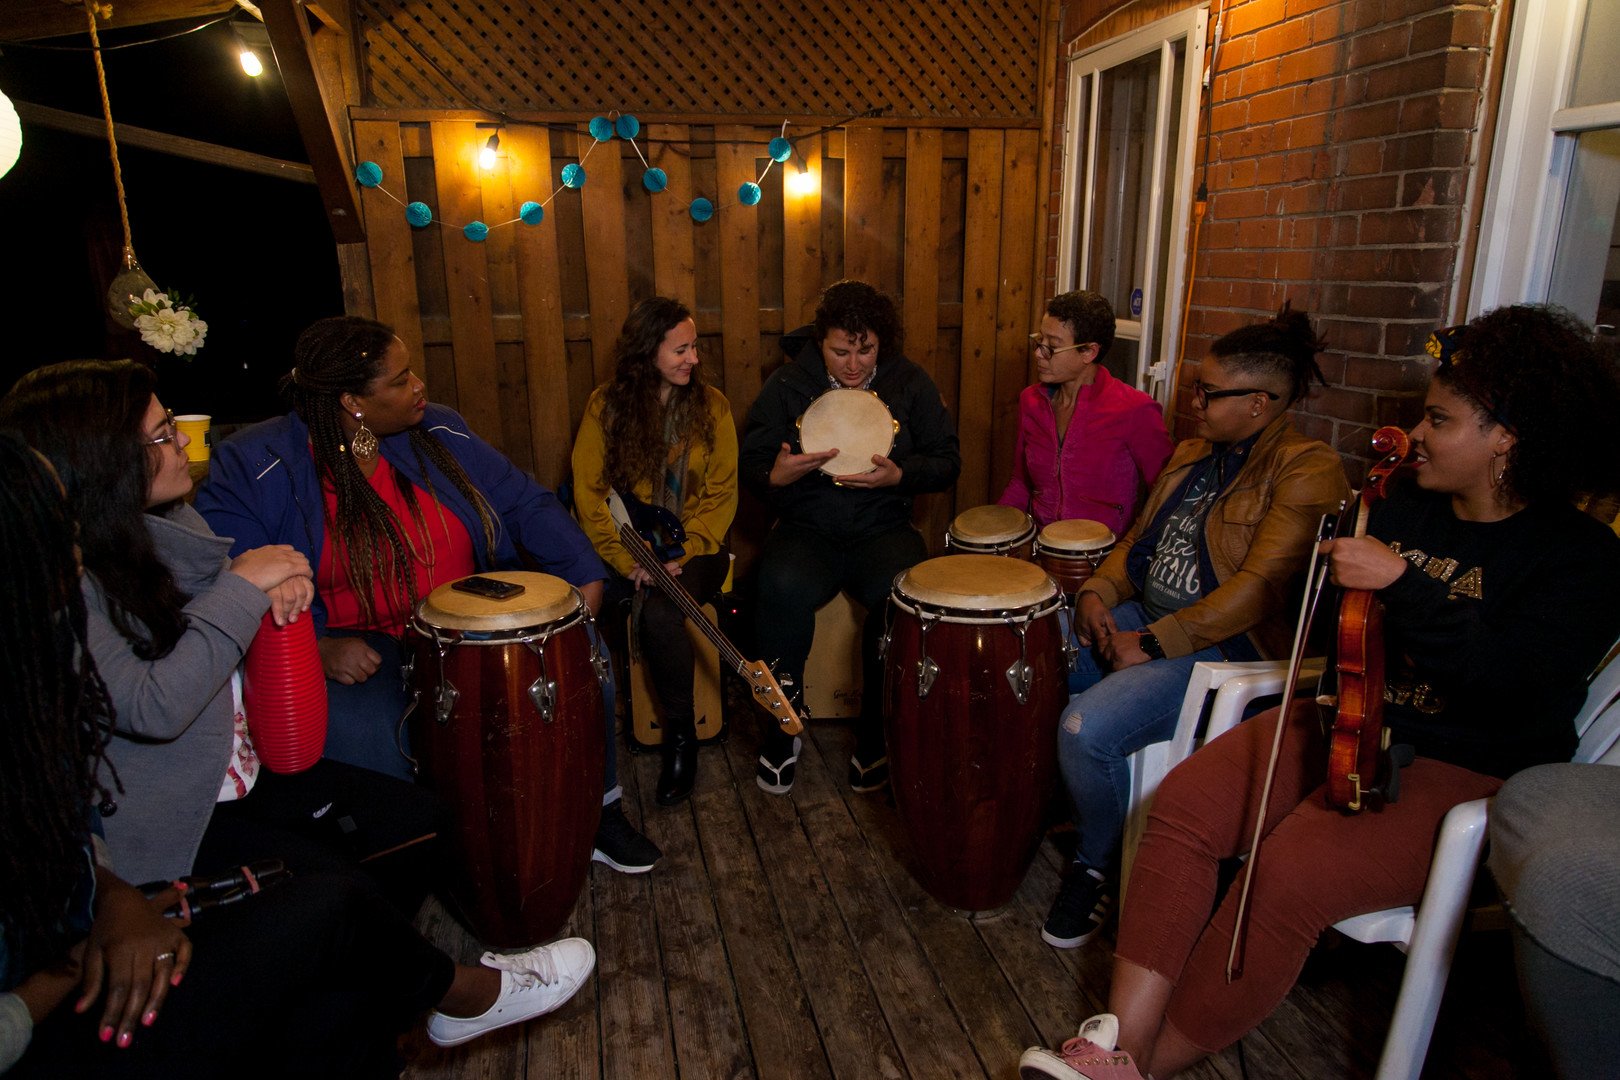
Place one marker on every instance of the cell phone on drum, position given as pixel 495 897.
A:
pixel 487 587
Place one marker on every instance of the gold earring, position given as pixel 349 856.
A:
pixel 364 443
pixel 1498 474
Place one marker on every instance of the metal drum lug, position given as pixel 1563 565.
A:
pixel 543 692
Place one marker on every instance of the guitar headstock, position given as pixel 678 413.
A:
pixel 768 695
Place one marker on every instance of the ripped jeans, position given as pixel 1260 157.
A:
pixel 1115 715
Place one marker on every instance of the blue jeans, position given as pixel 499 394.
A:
pixel 1107 721
pixel 363 720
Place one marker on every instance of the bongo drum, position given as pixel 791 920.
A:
pixel 1072 550
pixel 856 422
pixel 991 530
pixel 974 680
pixel 507 716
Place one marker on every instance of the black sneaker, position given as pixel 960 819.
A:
pixel 867 776
pixel 777 762
pixel 620 846
pixel 1083 903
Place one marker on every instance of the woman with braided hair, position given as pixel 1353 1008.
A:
pixel 389 496
pixel 94 980
pixel 657 433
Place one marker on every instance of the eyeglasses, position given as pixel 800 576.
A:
pixel 1046 352
pixel 168 426
pixel 1203 393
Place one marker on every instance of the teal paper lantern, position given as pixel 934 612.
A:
pixel 419 214
pixel 780 149
pixel 573 175
pixel 532 213
pixel 655 180
pixel 628 127
pixel 601 128
pixel 368 174
pixel 748 194
pixel 475 231
pixel 702 210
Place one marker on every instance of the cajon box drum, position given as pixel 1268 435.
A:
pixel 832 672
pixel 647 715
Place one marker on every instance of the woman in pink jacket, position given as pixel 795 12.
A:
pixel 1088 444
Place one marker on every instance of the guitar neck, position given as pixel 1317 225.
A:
pixel 649 561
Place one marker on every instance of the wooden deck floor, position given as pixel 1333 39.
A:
pixel 783 938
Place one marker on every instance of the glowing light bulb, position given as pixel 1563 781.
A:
pixel 803 183
pixel 250 63
pixel 486 156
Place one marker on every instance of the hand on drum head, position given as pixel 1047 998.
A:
pixel 1095 623
pixel 348 660
pixel 789 466
pixel 1122 649
pixel 884 474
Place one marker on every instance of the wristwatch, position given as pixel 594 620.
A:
pixel 1149 643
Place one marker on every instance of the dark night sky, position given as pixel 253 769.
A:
pixel 254 251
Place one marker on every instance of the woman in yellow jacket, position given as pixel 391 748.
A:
pixel 657 432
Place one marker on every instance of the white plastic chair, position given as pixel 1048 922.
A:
pixel 1428 935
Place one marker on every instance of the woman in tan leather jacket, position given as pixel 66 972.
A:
pixel 1200 575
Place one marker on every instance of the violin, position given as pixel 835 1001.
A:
pixel 1359 771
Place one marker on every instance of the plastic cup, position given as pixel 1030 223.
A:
pixel 197 426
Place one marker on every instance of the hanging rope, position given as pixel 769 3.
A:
pixel 112 139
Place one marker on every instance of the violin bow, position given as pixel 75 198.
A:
pixel 1316 576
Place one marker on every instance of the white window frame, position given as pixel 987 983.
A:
pixel 1533 156
pixel 1080 143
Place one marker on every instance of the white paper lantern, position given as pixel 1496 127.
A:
pixel 10 135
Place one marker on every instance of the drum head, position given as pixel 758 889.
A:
pixel 545 599
pixel 976 583
pixel 1077 534
pixel 991 525
pixel 856 422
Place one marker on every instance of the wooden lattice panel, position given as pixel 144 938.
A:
pixel 968 59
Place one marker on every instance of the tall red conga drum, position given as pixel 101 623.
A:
pixel 508 720
pixel 974 680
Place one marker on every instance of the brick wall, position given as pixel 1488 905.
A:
pixel 1342 138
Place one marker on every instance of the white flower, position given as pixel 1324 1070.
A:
pixel 166 324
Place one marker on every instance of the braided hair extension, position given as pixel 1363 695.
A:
pixel 87 417
pixel 56 713
pixel 638 430
pixel 1284 345
pixel 344 355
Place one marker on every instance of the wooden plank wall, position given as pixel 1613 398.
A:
pixel 516 331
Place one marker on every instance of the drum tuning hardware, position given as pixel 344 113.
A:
pixel 446 699
pixel 1020 673
pixel 927 669
pixel 543 692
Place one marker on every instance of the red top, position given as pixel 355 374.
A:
pixel 440 548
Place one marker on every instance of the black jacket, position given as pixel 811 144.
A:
pixel 925 447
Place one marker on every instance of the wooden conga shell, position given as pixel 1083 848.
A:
pixel 972 768
pixel 524 793
pixel 1071 550
pixel 991 530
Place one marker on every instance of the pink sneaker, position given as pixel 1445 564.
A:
pixel 1090 1055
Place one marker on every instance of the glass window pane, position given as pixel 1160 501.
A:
pixel 1597 65
pixel 1586 264
pixel 1128 100
pixel 1124 359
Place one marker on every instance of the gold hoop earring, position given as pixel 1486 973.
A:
pixel 1498 474
pixel 364 443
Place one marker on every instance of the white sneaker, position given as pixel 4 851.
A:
pixel 1090 1055
pixel 533 983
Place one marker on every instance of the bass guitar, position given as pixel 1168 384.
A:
pixel 766 691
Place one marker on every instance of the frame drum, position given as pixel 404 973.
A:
pixel 1072 550
pixel 507 714
pixel 974 679
pixel 991 530
pixel 856 422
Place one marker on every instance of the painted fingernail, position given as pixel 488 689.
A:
pixel 182 886
pixel 174 980
pixel 107 1033
pixel 150 1018
pixel 124 1040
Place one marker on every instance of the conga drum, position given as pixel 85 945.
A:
pixel 974 680
pixel 1072 550
pixel 508 719
pixel 991 530
pixel 855 422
